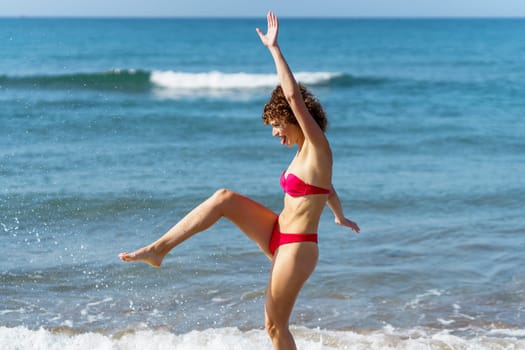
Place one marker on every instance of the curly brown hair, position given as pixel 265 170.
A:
pixel 278 109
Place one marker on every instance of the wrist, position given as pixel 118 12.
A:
pixel 274 49
pixel 339 218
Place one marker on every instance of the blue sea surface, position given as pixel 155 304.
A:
pixel 112 129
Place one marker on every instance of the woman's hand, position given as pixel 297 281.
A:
pixel 270 38
pixel 348 223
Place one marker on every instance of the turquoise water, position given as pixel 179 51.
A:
pixel 111 130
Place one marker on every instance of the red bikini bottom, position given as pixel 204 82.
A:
pixel 278 238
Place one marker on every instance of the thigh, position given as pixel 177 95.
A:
pixel 252 218
pixel 292 265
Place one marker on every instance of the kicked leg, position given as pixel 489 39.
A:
pixel 254 219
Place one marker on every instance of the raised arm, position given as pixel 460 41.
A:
pixel 335 206
pixel 290 88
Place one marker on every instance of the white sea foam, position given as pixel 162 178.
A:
pixel 421 297
pixel 21 338
pixel 227 81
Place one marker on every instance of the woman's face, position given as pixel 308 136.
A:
pixel 289 134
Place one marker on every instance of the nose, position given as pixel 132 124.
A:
pixel 275 131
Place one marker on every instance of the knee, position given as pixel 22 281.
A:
pixel 223 198
pixel 271 329
pixel 223 195
pixel 274 330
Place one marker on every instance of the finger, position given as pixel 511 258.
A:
pixel 272 19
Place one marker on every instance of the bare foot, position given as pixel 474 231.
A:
pixel 145 254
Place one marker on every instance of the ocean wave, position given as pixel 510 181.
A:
pixel 219 80
pixel 118 80
pixel 130 80
pixel 21 338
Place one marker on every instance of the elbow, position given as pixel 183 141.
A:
pixel 291 93
pixel 332 193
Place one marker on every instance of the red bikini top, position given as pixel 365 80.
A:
pixel 296 187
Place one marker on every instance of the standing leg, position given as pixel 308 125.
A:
pixel 254 219
pixel 292 265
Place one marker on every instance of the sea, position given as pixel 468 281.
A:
pixel 111 129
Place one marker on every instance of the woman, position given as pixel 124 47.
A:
pixel 298 119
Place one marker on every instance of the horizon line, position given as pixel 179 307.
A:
pixel 255 17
